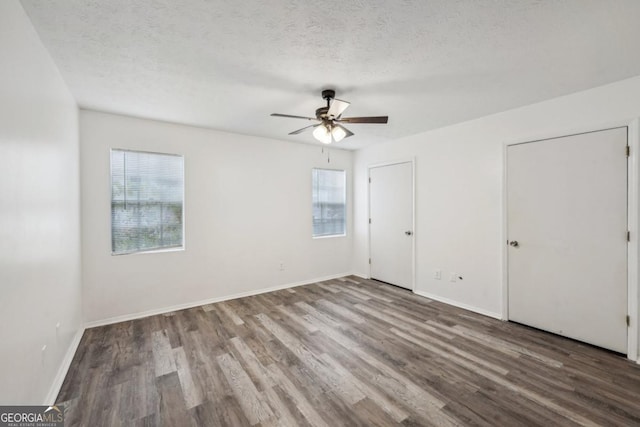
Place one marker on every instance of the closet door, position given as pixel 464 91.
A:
pixel 567 236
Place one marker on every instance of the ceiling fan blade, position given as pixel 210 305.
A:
pixel 295 132
pixel 293 117
pixel 337 108
pixel 377 119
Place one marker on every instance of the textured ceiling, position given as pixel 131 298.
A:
pixel 228 64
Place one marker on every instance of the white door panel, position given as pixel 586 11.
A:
pixel 391 213
pixel 567 209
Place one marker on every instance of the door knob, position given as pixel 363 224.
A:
pixel 514 243
pixel 408 232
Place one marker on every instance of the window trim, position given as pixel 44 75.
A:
pixel 330 236
pixel 165 249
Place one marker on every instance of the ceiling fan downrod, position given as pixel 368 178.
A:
pixel 328 95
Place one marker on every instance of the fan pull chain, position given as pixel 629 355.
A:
pixel 328 154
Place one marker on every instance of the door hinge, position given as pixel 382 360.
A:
pixel 369 220
pixel 369 180
pixel 628 151
pixel 628 236
pixel 628 320
pixel 369 260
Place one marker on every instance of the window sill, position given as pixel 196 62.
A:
pixel 151 251
pixel 329 237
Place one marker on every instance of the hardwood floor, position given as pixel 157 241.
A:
pixel 342 352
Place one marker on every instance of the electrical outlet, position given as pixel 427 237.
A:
pixel 453 277
pixel 437 274
pixel 282 266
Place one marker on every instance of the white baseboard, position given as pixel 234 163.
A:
pixel 140 315
pixel 361 275
pixel 459 304
pixel 64 368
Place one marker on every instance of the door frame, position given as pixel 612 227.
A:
pixel 633 224
pixel 412 161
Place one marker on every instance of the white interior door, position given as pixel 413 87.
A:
pixel 567 211
pixel 391 223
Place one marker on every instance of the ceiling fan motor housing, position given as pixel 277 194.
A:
pixel 321 113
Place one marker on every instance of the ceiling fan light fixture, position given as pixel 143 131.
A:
pixel 322 134
pixel 338 133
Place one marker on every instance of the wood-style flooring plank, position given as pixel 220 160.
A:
pixel 249 398
pixel 190 389
pixel 162 354
pixel 302 404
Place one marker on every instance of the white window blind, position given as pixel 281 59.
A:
pixel 329 202
pixel 147 193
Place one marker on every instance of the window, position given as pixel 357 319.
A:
pixel 147 193
pixel 329 200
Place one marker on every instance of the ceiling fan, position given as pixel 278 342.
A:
pixel 330 117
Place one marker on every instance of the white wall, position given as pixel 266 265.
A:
pixel 247 209
pixel 459 178
pixel 39 214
